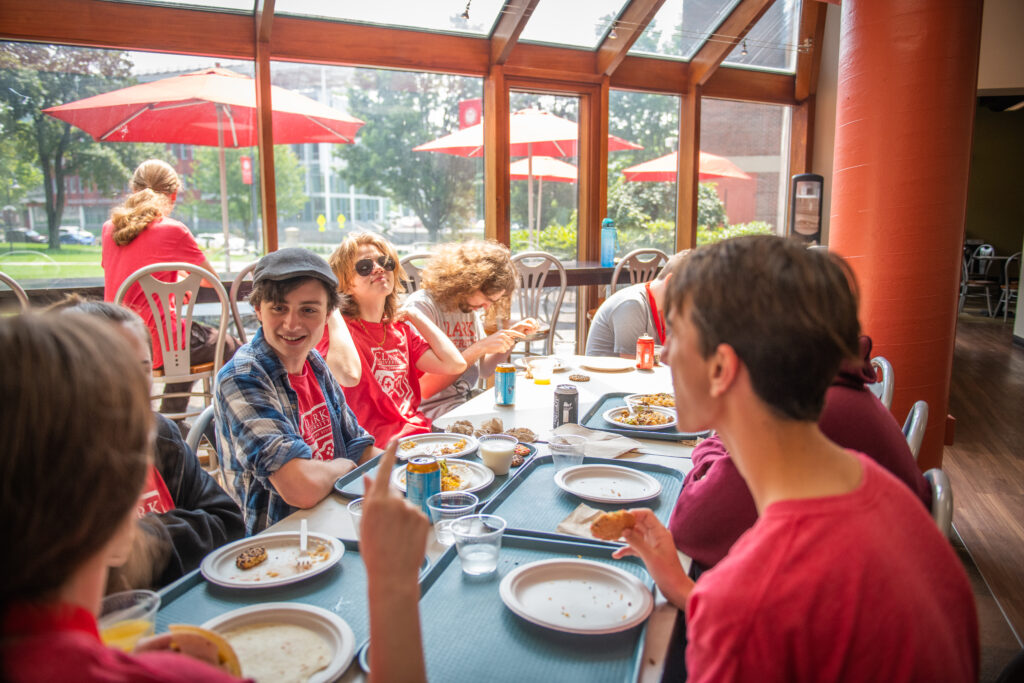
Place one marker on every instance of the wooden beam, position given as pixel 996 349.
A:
pixel 263 20
pixel 264 16
pixel 652 75
pixel 496 157
pixel 626 29
pixel 728 34
pixel 593 193
pixel 514 16
pixel 688 173
pixel 750 86
pixel 801 138
pixel 552 63
pixel 808 63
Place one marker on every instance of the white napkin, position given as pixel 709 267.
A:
pixel 600 444
pixel 578 522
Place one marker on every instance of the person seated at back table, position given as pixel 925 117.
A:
pixel 460 280
pixel 844 576
pixel 183 513
pixel 76 433
pixel 630 313
pixel 393 355
pixel 283 425
pixel 715 506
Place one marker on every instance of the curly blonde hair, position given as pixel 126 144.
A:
pixel 343 263
pixel 456 271
pixel 153 184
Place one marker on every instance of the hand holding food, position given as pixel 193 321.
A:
pixel 526 326
pixel 649 540
pixel 198 643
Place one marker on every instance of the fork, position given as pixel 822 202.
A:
pixel 304 562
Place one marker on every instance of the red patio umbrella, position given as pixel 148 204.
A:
pixel 213 107
pixel 664 169
pixel 541 169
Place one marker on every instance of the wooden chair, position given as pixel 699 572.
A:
pixel 236 287
pixel 533 268
pixel 19 292
pixel 415 272
pixel 1010 286
pixel 914 427
pixel 179 297
pixel 971 285
pixel 886 383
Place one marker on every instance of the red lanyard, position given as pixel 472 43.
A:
pixel 659 324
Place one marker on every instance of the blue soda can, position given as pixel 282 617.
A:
pixel 422 480
pixel 505 385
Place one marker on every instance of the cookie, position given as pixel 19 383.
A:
pixel 610 525
pixel 250 557
pixel 579 378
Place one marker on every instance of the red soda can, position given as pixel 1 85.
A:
pixel 645 352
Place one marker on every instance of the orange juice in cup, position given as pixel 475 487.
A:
pixel 125 634
pixel 128 617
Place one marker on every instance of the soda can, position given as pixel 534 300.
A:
pixel 505 385
pixel 645 352
pixel 567 404
pixel 422 480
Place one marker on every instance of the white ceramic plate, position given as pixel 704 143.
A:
pixel 608 364
pixel 279 568
pixel 475 476
pixel 433 444
pixel 608 483
pixel 339 637
pixel 521 363
pixel 611 414
pixel 577 596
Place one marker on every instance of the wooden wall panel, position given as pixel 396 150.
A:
pixel 688 170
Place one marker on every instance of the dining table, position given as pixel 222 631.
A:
pixel 528 498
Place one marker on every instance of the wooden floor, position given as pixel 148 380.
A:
pixel 986 469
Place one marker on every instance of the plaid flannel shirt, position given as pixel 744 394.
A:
pixel 258 426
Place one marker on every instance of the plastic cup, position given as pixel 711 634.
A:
pixel 355 509
pixel 497 451
pixel 542 369
pixel 126 618
pixel 445 508
pixel 478 542
pixel 566 450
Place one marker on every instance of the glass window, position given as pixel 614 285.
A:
pixel 643 205
pixel 437 15
pixel 34 77
pixel 772 42
pixel 681 27
pixel 236 6
pixel 378 182
pixel 743 187
pixel 578 23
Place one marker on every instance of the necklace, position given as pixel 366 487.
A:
pixel 383 326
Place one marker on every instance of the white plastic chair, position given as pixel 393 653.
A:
pixel 195 438
pixel 914 427
pixel 884 387
pixel 942 499
pixel 1010 286
pixel 533 268
pixel 641 265
pixel 236 286
pixel 19 293
pixel 174 339
pixel 415 272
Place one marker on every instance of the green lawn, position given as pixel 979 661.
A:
pixel 27 262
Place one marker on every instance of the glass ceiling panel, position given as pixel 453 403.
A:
pixel 576 23
pixel 232 5
pixel 681 26
pixel 772 42
pixel 424 15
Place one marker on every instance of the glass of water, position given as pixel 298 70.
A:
pixel 445 508
pixel 478 541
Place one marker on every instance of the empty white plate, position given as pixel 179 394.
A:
pixel 608 483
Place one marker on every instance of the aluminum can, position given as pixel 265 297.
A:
pixel 422 480
pixel 505 385
pixel 645 352
pixel 567 405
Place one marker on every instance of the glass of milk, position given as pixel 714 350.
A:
pixel 496 451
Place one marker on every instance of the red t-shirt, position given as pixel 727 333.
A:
pixel 62 643
pixel 387 399
pixel 162 241
pixel 155 497
pixel 855 587
pixel 315 420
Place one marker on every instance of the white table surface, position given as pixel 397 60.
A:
pixel 534 408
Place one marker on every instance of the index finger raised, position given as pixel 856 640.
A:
pixel 379 486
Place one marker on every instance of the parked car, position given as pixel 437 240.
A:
pixel 25 235
pixel 72 234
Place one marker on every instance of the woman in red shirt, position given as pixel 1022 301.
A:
pixel 393 356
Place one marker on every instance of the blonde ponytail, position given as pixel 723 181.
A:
pixel 153 183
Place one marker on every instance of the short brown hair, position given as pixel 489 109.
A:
pixel 343 263
pixel 457 270
pixel 790 314
pixel 76 434
pixel 276 290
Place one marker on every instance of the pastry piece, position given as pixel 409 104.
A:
pixel 250 557
pixel 460 427
pixel 523 434
pixel 579 378
pixel 610 525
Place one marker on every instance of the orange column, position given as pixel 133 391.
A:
pixel 905 114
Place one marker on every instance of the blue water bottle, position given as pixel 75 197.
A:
pixel 609 237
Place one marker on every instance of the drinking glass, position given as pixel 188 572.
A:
pixel 478 542
pixel 355 509
pixel 566 450
pixel 497 451
pixel 127 617
pixel 445 508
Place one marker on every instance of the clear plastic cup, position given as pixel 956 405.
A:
pixel 355 509
pixel 566 450
pixel 542 369
pixel 126 618
pixel 478 542
pixel 497 451
pixel 445 508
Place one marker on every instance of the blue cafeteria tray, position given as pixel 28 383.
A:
pixel 594 420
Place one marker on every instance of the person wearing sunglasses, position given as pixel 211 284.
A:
pixel 393 357
pixel 460 281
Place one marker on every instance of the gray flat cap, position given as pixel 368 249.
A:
pixel 285 264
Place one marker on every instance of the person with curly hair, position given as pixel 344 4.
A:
pixel 393 356
pixel 460 281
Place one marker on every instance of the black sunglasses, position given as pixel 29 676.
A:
pixel 364 266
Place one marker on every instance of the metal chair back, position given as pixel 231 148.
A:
pixel 942 499
pixel 415 272
pixel 886 383
pixel 914 427
pixel 195 438
pixel 236 287
pixel 1010 285
pixel 19 292
pixel 532 295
